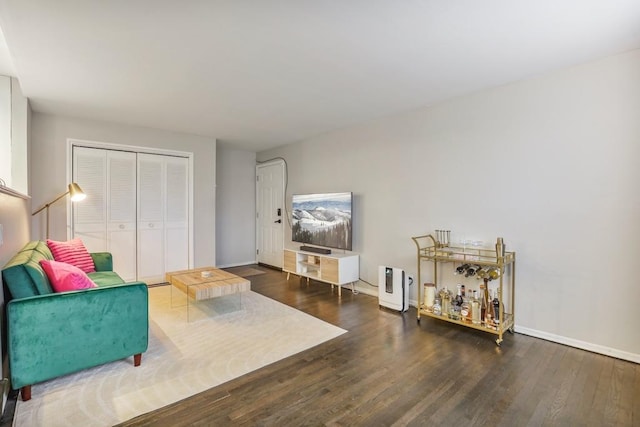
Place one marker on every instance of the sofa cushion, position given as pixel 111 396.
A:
pixel 23 275
pixel 72 252
pixel 102 260
pixel 105 278
pixel 66 277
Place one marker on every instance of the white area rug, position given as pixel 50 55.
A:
pixel 183 359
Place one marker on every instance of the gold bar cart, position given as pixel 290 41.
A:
pixel 429 248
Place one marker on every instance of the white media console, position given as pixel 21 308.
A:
pixel 336 269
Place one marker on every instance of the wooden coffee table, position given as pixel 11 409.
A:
pixel 206 283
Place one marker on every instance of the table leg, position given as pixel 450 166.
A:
pixel 188 306
pixel 176 293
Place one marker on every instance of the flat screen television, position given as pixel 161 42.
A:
pixel 322 219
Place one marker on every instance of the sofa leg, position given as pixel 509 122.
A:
pixel 137 359
pixel 26 393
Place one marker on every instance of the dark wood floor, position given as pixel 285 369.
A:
pixel 390 370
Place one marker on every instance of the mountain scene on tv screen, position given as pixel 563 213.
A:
pixel 323 220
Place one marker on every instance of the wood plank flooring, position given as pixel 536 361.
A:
pixel 388 370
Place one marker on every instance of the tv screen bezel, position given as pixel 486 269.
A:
pixel 350 239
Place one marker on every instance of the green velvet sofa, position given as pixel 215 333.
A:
pixel 53 334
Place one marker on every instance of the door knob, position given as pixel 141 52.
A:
pixel 278 221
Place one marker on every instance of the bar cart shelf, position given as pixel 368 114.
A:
pixel 439 253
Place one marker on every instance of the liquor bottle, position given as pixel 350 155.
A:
pixel 454 312
pixel 445 298
pixel 484 303
pixel 471 270
pixel 437 307
pixel 482 273
pixel 465 311
pixel 458 298
pixel 461 269
pixel 496 308
pixel 464 292
pixel 475 309
pixel 488 321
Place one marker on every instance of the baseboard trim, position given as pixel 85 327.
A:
pixel 237 264
pixel 583 345
pixel 365 290
pixel 272 267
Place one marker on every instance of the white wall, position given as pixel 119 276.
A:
pixel 550 164
pixel 236 207
pixel 15 222
pixel 48 174
pixel 15 218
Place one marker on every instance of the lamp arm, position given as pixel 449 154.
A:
pixel 50 203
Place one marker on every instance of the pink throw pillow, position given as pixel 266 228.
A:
pixel 66 277
pixel 72 252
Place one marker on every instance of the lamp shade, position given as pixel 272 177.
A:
pixel 75 192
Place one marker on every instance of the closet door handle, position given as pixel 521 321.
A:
pixel 150 225
pixel 121 226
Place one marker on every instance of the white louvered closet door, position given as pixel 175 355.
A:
pixel 89 216
pixel 176 224
pixel 106 219
pixel 121 212
pixel 137 208
pixel 151 206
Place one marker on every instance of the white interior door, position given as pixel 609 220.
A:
pixel 163 216
pixel 270 213
pixel 121 212
pixel 138 207
pixel 176 214
pixel 89 217
pixel 106 219
pixel 151 199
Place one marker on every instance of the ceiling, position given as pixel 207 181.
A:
pixel 263 73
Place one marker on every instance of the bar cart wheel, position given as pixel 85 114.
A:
pixel 498 342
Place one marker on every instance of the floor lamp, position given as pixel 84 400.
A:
pixel 75 193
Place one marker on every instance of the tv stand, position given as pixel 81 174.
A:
pixel 315 250
pixel 336 269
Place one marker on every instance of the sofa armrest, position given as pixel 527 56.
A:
pixel 103 261
pixel 60 333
